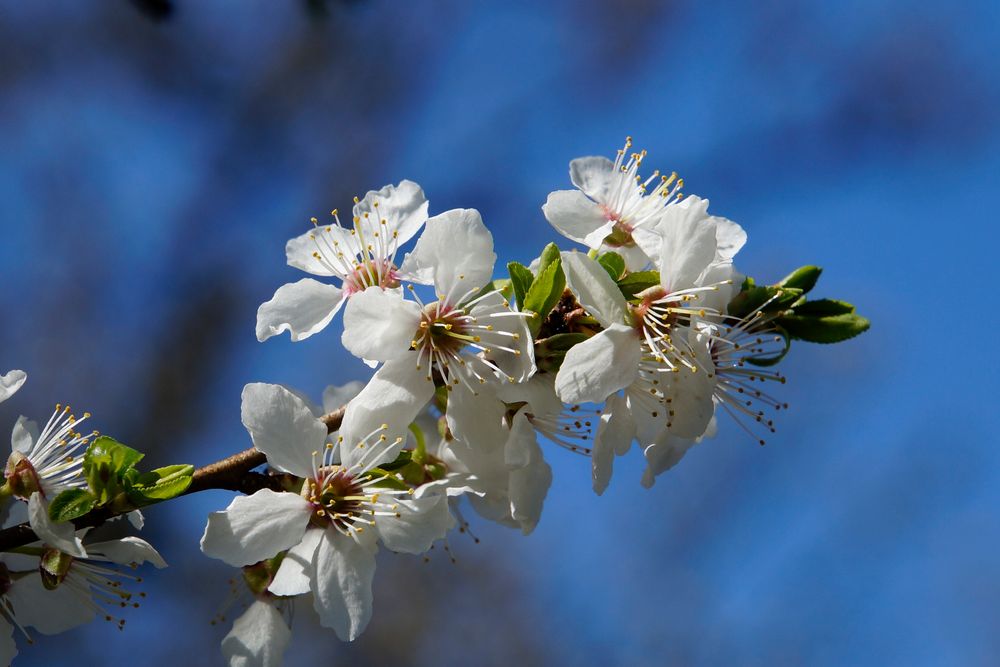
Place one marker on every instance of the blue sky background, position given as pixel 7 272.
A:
pixel 151 172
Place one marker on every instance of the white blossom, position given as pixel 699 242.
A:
pixel 360 257
pixel 332 527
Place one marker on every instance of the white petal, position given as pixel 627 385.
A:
pixel 61 536
pixel 455 253
pixel 258 638
pixel 394 396
pixel 128 551
pixel 301 251
pixel 664 455
pixel 688 244
pixel 282 426
pixel 576 217
pixel 594 288
pixel 729 237
pixel 403 207
pixel 50 611
pixel 539 393
pixel 476 419
pixel 296 569
pixel 599 366
pixel 25 435
pixel 519 365
pixel 529 483
pixel 256 527
pixel 335 397
pixel 342 587
pixel 691 392
pixel 421 522
pixel 136 519
pixel 303 308
pixel 593 175
pixel 614 436
pixel 380 324
pixel 10 382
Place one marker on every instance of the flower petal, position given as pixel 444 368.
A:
pixel 729 237
pixel 614 436
pixel 530 481
pixel 296 568
pixel 25 435
pixel 393 397
pixel 342 587
pixel 688 244
pixel 599 366
pixel 335 397
pixel 576 217
pixel 420 523
pixel 594 288
pixel 593 175
pixel 282 426
pixel 302 308
pixel 663 455
pixel 403 208
pixel 380 324
pixel 61 536
pixel 256 527
pixel 10 382
pixel 50 612
pixel 128 551
pixel 258 638
pixel 337 248
pixel 454 252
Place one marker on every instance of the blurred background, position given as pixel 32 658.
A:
pixel 156 155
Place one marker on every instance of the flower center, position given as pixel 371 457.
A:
pixel 338 498
pixel 375 272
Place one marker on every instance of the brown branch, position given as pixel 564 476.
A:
pixel 233 473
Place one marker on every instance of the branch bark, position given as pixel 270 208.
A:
pixel 233 473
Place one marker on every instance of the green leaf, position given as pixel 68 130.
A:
pixel 558 343
pixel 636 282
pixel 803 278
pixel 613 263
pixel 824 308
pixel 505 287
pixel 750 298
pixel 824 329
pixel 521 278
pixel 71 504
pixel 159 484
pixel 544 293
pixel 105 464
pixel 550 253
pixel 775 358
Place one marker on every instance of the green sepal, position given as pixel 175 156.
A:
pixel 803 278
pixel 558 343
pixel 614 264
pixel 71 504
pixel 823 328
pixel 544 293
pixel 53 566
pixel 105 464
pixel 521 278
pixel 638 281
pixel 159 484
pixel 386 479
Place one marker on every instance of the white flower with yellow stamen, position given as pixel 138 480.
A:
pixel 464 337
pixel 330 528
pixel 45 463
pixel 361 256
pixel 612 207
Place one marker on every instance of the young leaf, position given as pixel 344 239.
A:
pixel 636 282
pixel 521 278
pixel 550 253
pixel 824 329
pixel 613 263
pixel 71 504
pixel 823 308
pixel 803 278
pixel 105 464
pixel 544 293
pixel 160 484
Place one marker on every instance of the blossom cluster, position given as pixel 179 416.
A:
pixel 639 337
